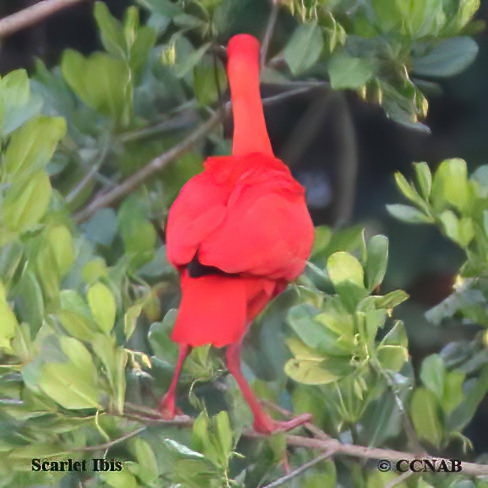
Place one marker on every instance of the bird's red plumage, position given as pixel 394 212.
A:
pixel 244 214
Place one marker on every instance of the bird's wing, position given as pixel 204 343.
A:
pixel 197 211
pixel 267 231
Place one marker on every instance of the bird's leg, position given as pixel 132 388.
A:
pixel 263 423
pixel 167 406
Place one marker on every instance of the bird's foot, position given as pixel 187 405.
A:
pixel 266 425
pixel 167 407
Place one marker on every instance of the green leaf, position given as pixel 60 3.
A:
pixel 111 31
pixel 304 48
pixel 119 479
pixel 424 179
pixel 450 224
pixel 146 458
pixel 301 351
pixel 224 434
pixel 130 320
pixel 475 391
pixel 29 300
pixel 425 414
pixel 450 185
pixel 102 82
pixel 392 299
pixel 460 231
pixel 61 244
pixel 409 191
pixel 449 58
pixel 47 273
pixel 138 234
pixel 397 336
pixel 387 15
pixel 377 261
pixel 336 317
pixel 183 450
pixel 343 267
pixel 347 72
pixel 210 81
pixel 165 8
pixel 114 359
pixel 72 383
pixel 453 393
pixel 421 17
pixel 313 334
pixel 75 316
pixel 32 145
pixel 102 227
pixel 459 14
pixel 186 61
pixel 326 478
pixel 102 305
pixel 17 104
pixel 433 374
pixel 22 344
pixel 392 357
pixel 164 348
pixel 309 372
pixel 408 214
pixel 94 270
pixel 200 432
pixel 26 203
pixel 466 231
pixel 141 48
pixel 8 322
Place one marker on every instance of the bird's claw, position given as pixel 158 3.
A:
pixel 266 425
pixel 167 407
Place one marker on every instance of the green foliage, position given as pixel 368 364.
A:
pixel 456 203
pixel 337 343
pixel 377 46
pixel 87 303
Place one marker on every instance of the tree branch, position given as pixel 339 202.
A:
pixel 146 172
pixel 297 472
pixel 269 30
pixel 331 446
pixel 337 448
pixel 32 15
pixel 138 178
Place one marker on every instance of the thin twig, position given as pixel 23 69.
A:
pixel 99 447
pixel 273 15
pixel 407 424
pixel 32 15
pixel 85 181
pixel 299 470
pixel 290 93
pixel 399 479
pixel 181 121
pixel 149 170
pixel 347 167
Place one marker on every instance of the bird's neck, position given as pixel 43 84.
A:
pixel 250 134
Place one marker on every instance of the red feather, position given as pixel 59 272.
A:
pixel 245 215
pixel 244 224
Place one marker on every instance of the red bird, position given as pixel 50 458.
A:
pixel 238 233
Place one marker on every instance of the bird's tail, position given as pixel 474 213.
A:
pixel 215 309
pixel 212 311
